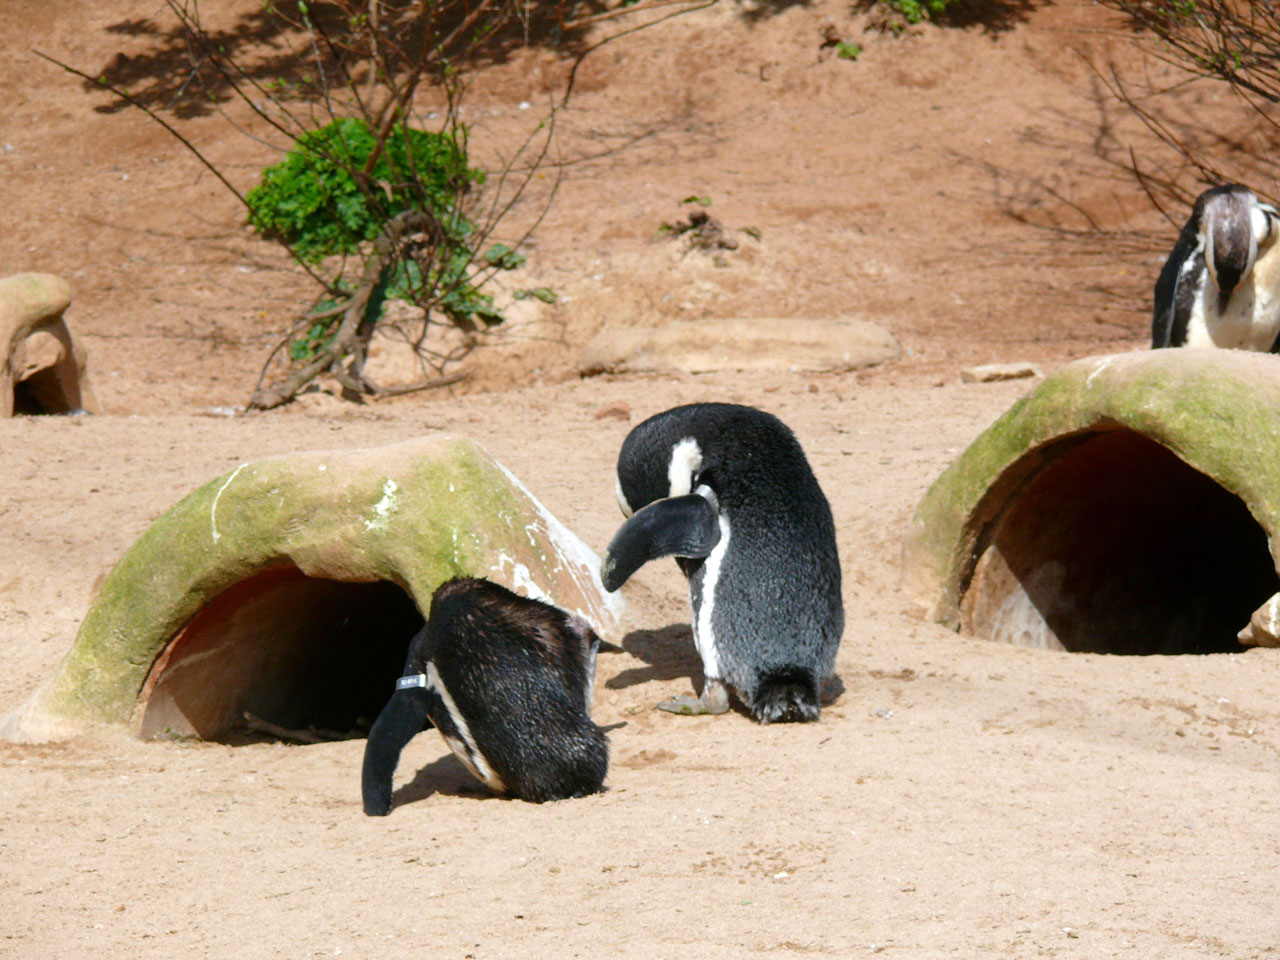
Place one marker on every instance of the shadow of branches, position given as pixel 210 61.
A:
pixel 272 50
pixel 991 16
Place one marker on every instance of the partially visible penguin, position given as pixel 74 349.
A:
pixel 507 681
pixel 1220 286
pixel 727 491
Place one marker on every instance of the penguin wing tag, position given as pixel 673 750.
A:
pixel 409 682
pixel 687 526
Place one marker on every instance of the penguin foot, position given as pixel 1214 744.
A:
pixel 714 700
pixel 830 690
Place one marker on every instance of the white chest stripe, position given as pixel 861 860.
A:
pixel 704 638
pixel 686 460
pixel 467 751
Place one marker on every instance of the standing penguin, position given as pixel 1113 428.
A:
pixel 727 491
pixel 1220 286
pixel 507 681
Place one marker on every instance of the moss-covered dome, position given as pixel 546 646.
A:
pixel 1128 504
pixel 294 583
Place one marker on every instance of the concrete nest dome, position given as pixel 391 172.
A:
pixel 1129 504
pixel 290 588
pixel 42 369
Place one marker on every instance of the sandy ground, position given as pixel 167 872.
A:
pixel 960 799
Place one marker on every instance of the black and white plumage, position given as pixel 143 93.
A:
pixel 507 681
pixel 727 491
pixel 1220 286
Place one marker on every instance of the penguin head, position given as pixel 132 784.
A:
pixel 653 467
pixel 1232 224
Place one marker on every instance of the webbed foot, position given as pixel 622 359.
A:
pixel 714 700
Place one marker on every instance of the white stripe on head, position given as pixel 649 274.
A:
pixel 1263 218
pixel 622 498
pixel 686 461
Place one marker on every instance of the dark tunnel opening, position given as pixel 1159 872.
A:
pixel 40 393
pixel 298 652
pixel 1107 542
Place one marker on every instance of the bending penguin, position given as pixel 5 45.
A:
pixel 1220 286
pixel 727 491
pixel 507 681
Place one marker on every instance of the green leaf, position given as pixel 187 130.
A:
pixel 847 51
pixel 503 257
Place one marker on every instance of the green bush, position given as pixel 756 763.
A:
pixel 313 199
pixel 315 202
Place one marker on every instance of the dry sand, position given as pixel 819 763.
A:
pixel 960 798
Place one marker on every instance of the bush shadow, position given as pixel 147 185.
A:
pixel 991 16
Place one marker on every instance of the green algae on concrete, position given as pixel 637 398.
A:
pixel 1216 410
pixel 414 514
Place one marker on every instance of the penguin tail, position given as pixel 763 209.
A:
pixel 789 695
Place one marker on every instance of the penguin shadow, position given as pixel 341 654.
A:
pixel 667 654
pixel 445 776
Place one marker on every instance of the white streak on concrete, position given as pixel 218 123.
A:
pixel 521 577
pixel 568 544
pixel 213 510
pixel 383 508
pixel 1106 362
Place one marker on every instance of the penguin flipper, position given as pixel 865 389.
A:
pixel 687 526
pixel 1175 289
pixel 404 716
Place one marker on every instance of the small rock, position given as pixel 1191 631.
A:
pixel 1263 628
pixel 991 372
pixel 617 410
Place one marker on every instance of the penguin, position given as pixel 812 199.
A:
pixel 727 491
pixel 1220 287
pixel 508 682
